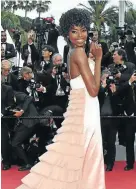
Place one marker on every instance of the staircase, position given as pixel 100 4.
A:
pixel 121 151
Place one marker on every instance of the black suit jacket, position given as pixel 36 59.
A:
pixel 34 54
pixel 25 103
pixel 12 81
pixel 104 47
pixel 120 92
pixel 9 51
pixel 129 48
pixel 112 99
pixel 47 67
pixel 63 84
pixel 52 38
pixel 65 53
pixel 129 96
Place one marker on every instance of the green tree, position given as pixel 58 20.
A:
pixel 26 6
pixel 42 6
pixel 130 19
pixel 8 5
pixel 11 21
pixel 100 14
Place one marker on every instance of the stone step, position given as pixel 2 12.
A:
pixel 121 151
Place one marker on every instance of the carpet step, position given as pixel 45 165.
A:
pixel 121 151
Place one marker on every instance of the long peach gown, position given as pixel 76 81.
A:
pixel 75 159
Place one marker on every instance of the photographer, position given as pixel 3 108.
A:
pixel 95 38
pixel 129 92
pixel 9 50
pixel 129 46
pixel 46 64
pixel 25 127
pixel 7 77
pixel 29 53
pixel 121 71
pixel 107 58
pixel 107 99
pixel 40 86
pixel 61 76
pixel 53 35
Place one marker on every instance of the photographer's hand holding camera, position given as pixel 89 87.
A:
pixel 41 89
pixel 121 69
pixel 108 87
pixel 132 79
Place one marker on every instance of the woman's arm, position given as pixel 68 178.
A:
pixel 92 82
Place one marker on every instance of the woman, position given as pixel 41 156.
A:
pixel 75 159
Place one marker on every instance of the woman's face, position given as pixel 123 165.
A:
pixel 78 36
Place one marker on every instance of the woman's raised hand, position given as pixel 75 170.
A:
pixel 96 50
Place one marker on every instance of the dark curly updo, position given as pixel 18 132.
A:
pixel 74 17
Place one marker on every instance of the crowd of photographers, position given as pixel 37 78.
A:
pixel 41 88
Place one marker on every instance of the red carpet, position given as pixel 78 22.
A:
pixel 117 179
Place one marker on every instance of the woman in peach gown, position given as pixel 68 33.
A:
pixel 75 159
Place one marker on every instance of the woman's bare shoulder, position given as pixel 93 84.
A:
pixel 79 55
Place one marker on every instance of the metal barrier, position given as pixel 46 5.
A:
pixel 60 117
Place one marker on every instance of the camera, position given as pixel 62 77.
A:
pixel 111 80
pixel 10 110
pixel 33 85
pixel 42 24
pixel 118 69
pixel 60 68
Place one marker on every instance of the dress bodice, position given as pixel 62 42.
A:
pixel 78 82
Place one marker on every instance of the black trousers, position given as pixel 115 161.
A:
pixel 130 131
pixel 5 145
pixel 21 134
pixel 109 131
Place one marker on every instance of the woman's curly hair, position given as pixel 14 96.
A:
pixel 74 17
